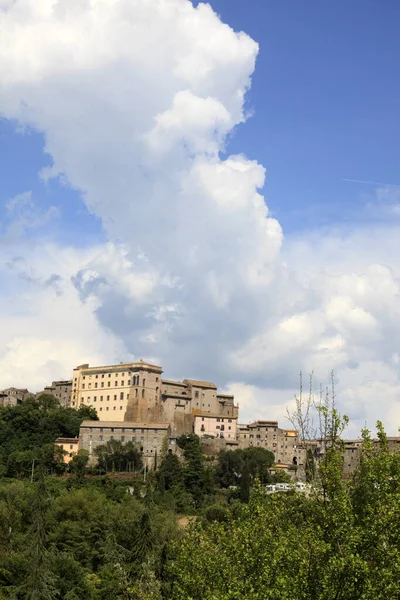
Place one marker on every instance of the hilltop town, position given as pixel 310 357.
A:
pixel 135 403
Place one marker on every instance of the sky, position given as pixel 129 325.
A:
pixel 214 187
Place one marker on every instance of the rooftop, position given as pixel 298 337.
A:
pixel 203 384
pixel 132 365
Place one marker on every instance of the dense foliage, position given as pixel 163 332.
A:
pixel 197 529
pixel 28 433
pixel 340 542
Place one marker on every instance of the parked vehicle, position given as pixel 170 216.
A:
pixel 300 487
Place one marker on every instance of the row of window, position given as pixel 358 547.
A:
pixel 116 384
pixel 136 378
pixel 121 397
pixel 219 420
pixel 123 430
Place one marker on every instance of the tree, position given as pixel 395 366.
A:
pixel 78 463
pixel 341 543
pixel 40 580
pixel 230 467
pixel 170 474
pixel 197 479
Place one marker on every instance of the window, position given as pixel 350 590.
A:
pixel 133 439
pixel 108 398
pixel 84 377
pixel 123 374
pixel 142 393
pixel 127 396
pixel 128 382
pixel 218 420
pixel 116 383
pixel 107 408
pixel 83 386
pixel 102 376
pixel 121 396
pixel 136 393
pixel 101 429
pixel 144 383
pixel 94 398
pixel 97 376
pixel 229 427
pixel 196 394
pixel 122 438
pixel 109 384
pixel 156 379
pixel 71 447
pixel 82 399
pixel 142 439
pixel 109 374
pixel 101 398
pixel 122 383
pixel 120 408
pixel 222 420
pixel 218 426
pixel 229 420
pixel 115 408
pixel 102 384
pixel 101 408
pixel 202 418
pixel 112 429
pixel 111 437
pixel 100 438
pixel 95 385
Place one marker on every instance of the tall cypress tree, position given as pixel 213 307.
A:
pixel 40 581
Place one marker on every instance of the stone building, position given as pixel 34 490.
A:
pixel 351 456
pixel 206 424
pixel 14 396
pixel 149 437
pixel 284 443
pixel 124 392
pixel 69 445
pixel 135 392
pixel 60 390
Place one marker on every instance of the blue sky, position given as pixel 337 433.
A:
pixel 169 254
pixel 325 101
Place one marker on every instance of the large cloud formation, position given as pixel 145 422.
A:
pixel 136 100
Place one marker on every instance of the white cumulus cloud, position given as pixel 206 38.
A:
pixel 136 100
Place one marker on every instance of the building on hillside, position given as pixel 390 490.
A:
pixel 352 452
pixel 135 392
pixel 124 392
pixel 60 390
pixel 284 443
pixel 149 437
pixel 216 426
pixel 70 446
pixel 14 396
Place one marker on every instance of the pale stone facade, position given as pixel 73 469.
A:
pixel 215 426
pixel 124 392
pixel 14 396
pixel 60 390
pixel 284 443
pixel 135 392
pixel 149 437
pixel 69 445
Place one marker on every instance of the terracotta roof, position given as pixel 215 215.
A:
pixel 202 384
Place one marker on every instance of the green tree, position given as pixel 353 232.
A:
pixel 40 580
